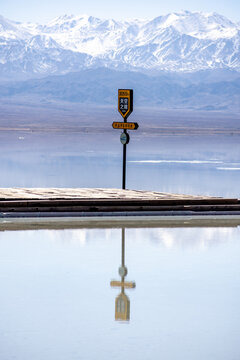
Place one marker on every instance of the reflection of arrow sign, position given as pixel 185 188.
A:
pixel 125 125
pixel 127 284
pixel 122 307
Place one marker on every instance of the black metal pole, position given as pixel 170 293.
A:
pixel 124 165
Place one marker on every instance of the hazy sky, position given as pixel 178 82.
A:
pixel 43 11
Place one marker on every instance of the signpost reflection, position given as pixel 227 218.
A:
pixel 122 302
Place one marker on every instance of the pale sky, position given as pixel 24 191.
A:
pixel 42 11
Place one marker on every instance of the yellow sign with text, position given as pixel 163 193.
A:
pixel 125 102
pixel 125 125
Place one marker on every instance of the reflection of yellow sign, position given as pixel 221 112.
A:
pixel 122 302
pixel 125 102
pixel 123 284
pixel 124 125
pixel 122 307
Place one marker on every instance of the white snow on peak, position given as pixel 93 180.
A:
pixel 180 41
pixel 42 42
pixel 7 25
pixel 11 30
pixel 198 24
pixel 68 23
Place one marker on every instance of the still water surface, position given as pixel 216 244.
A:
pixel 57 303
pixel 207 165
pixel 56 300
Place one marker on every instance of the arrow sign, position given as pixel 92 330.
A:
pixel 127 284
pixel 125 125
pixel 125 102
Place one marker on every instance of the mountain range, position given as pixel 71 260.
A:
pixel 178 42
pixel 189 53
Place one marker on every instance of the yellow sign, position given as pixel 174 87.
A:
pixel 122 307
pixel 125 125
pixel 125 102
pixel 124 284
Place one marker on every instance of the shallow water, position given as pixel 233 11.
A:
pixel 56 300
pixel 207 165
pixel 57 303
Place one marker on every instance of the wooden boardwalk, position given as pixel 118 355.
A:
pixel 54 208
pixel 19 202
pixel 11 194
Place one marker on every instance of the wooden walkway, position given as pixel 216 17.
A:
pixel 20 202
pixel 11 194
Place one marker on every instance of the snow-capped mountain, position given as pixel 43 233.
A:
pixel 178 42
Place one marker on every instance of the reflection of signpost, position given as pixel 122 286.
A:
pixel 125 108
pixel 122 302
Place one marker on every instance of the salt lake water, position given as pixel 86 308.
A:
pixel 206 165
pixel 56 300
pixel 57 303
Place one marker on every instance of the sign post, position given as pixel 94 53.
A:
pixel 125 108
pixel 124 162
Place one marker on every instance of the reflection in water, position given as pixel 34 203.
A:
pixel 122 302
pixel 55 296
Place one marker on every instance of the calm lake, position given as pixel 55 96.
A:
pixel 206 165
pixel 57 303
pixel 56 299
